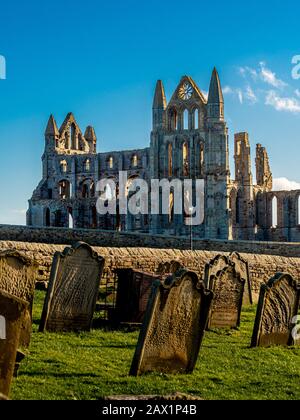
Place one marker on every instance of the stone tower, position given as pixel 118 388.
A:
pixel 216 157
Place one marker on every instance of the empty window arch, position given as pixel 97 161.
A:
pixel 73 136
pixel 173 119
pixel 196 119
pixel 170 160
pixel 185 159
pixel 64 189
pixel 201 159
pixel 63 166
pixel 134 161
pixel 70 218
pixel 47 217
pixel 274 212
pixel 94 217
pixel 111 162
pixel 87 165
pixel 171 207
pixel 185 119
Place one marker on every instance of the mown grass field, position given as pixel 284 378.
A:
pixel 92 365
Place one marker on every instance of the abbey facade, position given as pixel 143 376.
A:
pixel 189 140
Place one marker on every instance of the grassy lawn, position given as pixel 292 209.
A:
pixel 91 365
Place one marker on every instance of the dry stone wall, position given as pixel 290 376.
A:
pixel 262 267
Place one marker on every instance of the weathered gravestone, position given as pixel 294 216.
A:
pixel 12 312
pixel 276 312
pixel 227 285
pixel 174 325
pixel 242 267
pixel 73 288
pixel 133 293
pixel 168 267
pixel 17 277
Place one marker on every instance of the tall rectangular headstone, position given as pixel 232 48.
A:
pixel 12 311
pixel 17 277
pixel 73 289
pixel 227 285
pixel 276 312
pixel 174 325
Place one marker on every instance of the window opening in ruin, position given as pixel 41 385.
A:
pixel 196 119
pixel 48 217
pixel 186 119
pixel 185 156
pixel 170 160
pixel 274 212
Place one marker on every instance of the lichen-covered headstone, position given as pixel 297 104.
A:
pixel 174 325
pixel 12 311
pixel 227 285
pixel 73 288
pixel 276 312
pixel 17 277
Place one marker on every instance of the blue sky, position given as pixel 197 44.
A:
pixel 101 60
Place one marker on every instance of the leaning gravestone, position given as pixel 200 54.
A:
pixel 17 277
pixel 277 311
pixel 174 325
pixel 73 288
pixel 12 312
pixel 228 287
pixel 242 267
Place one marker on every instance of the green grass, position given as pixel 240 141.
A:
pixel 91 365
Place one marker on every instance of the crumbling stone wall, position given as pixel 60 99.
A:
pixel 262 267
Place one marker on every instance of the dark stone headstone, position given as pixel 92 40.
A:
pixel 17 277
pixel 12 310
pixel 134 288
pixel 174 325
pixel 73 289
pixel 227 285
pixel 276 312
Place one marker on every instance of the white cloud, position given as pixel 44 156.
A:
pixel 250 95
pixel 227 90
pixel 269 77
pixel 297 93
pixel 245 71
pixel 240 95
pixel 205 94
pixel 282 104
pixel 22 211
pixel 284 184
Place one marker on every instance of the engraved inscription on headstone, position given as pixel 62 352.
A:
pixel 12 310
pixel 222 278
pixel 17 277
pixel 174 325
pixel 277 308
pixel 73 289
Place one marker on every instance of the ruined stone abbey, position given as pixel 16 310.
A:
pixel 189 140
